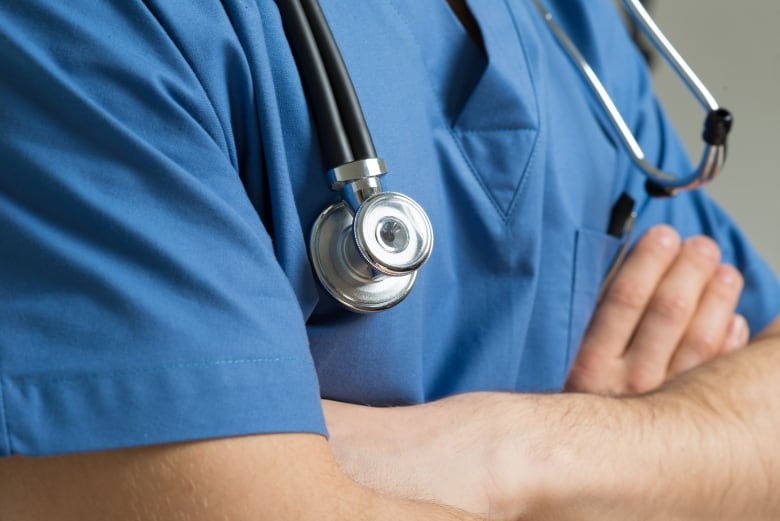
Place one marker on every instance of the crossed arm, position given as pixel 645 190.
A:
pixel 693 449
pixel 700 447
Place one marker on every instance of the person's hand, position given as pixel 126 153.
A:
pixel 669 308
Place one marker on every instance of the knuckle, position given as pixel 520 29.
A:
pixel 590 362
pixel 728 281
pixel 740 279
pixel 701 252
pixel 641 378
pixel 579 381
pixel 723 291
pixel 704 344
pixel 589 373
pixel 628 294
pixel 672 306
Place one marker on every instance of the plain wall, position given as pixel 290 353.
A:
pixel 735 49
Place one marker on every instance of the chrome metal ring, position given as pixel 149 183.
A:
pixel 343 271
pixel 393 233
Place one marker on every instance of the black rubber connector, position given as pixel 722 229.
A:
pixel 655 190
pixel 717 127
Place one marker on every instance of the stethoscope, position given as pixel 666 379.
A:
pixel 367 248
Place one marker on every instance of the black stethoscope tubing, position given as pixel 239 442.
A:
pixel 339 118
pixel 365 249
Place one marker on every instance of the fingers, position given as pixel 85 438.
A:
pixel 737 334
pixel 670 311
pixel 599 366
pixel 627 297
pixel 708 332
pixel 670 308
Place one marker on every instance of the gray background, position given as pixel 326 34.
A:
pixel 735 49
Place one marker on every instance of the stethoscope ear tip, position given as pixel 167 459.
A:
pixel 717 126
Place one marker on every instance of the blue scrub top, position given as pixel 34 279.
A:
pixel 160 176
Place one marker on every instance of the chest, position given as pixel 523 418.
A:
pixel 503 152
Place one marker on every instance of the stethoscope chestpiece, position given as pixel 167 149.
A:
pixel 342 268
pixel 366 249
pixel 393 233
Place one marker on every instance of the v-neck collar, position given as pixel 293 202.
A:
pixel 488 102
pixel 477 92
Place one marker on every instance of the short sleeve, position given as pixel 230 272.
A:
pixel 140 298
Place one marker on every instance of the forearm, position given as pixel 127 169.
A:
pixel 737 399
pixel 702 447
pixel 274 477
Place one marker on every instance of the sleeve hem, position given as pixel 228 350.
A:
pixel 45 414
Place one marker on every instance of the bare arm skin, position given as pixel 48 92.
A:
pixel 670 308
pixel 272 477
pixel 703 447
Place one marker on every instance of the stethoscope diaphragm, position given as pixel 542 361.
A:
pixel 344 272
pixel 393 233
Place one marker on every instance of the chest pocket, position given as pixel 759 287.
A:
pixel 595 252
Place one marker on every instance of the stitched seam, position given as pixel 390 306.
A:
pixel 523 179
pixel 453 131
pixel 539 125
pixel 4 426
pixel 570 322
pixel 477 176
pixel 446 125
pixel 537 130
pixel 141 371
pixel 489 130
pixel 521 186
pixel 525 57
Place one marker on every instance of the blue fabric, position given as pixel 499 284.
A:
pixel 160 176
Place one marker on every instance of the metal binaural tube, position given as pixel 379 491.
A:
pixel 717 124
